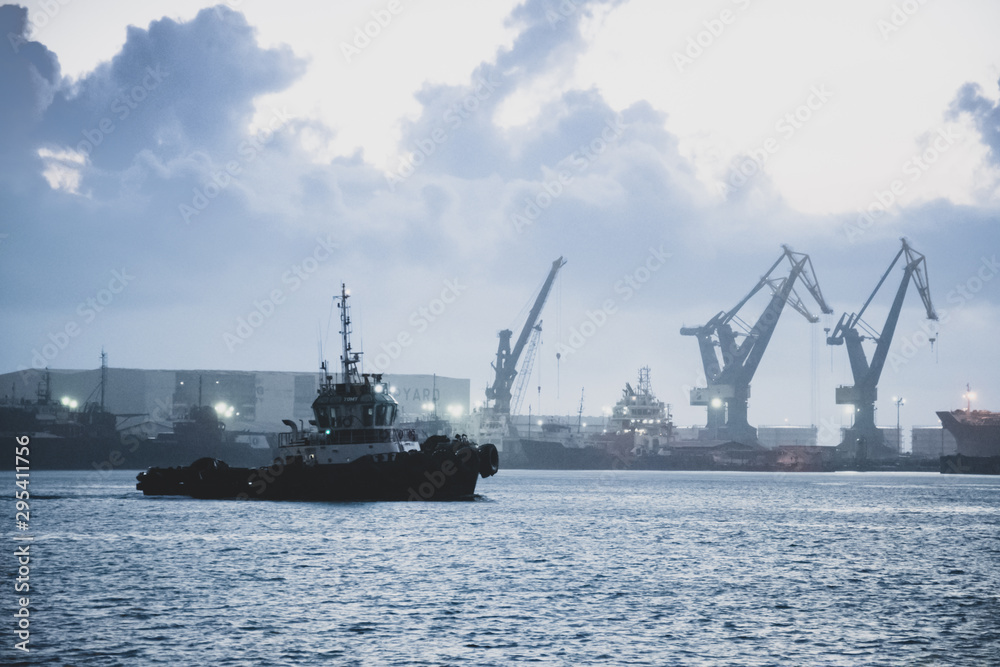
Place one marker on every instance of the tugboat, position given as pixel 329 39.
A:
pixel 353 453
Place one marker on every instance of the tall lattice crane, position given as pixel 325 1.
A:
pixel 525 373
pixel 505 366
pixel 728 379
pixel 864 439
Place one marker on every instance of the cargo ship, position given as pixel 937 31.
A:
pixel 977 434
pixel 349 452
pixel 639 427
pixel 62 436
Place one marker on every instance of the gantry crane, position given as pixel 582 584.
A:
pixel 864 439
pixel 505 367
pixel 728 389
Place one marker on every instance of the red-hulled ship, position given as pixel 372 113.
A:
pixel 977 434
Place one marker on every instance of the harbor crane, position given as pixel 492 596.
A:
pixel 864 439
pixel 728 390
pixel 505 366
pixel 522 377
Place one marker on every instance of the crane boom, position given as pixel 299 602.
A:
pixel 505 366
pixel 522 377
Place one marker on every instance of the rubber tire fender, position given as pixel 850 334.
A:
pixel 489 460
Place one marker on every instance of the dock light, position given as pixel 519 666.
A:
pixel 539 422
pixel 455 410
pixel 716 402
pixel 427 407
pixel 224 410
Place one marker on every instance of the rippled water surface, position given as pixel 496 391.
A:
pixel 560 568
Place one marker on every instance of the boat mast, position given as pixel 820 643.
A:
pixel 349 360
pixel 104 375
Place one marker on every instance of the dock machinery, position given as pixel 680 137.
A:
pixel 864 440
pixel 505 366
pixel 728 389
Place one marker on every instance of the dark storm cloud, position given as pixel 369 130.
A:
pixel 144 134
pixel 173 88
pixel 984 112
pixel 29 74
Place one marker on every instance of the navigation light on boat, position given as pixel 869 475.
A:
pixel 378 389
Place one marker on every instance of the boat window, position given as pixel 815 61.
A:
pixel 341 416
pixel 380 415
pixel 366 419
pixel 323 418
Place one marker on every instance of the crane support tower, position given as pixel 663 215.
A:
pixel 728 380
pixel 505 366
pixel 863 440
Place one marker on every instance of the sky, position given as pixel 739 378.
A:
pixel 186 185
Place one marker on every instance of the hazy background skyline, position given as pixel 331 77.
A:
pixel 185 166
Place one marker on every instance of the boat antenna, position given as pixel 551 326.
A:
pixel 104 375
pixel 349 360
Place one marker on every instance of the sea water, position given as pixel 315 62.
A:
pixel 549 568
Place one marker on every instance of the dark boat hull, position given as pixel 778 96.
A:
pixel 441 474
pixel 549 455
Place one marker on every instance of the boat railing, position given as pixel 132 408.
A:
pixel 349 436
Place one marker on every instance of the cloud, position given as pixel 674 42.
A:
pixel 172 89
pixel 985 114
